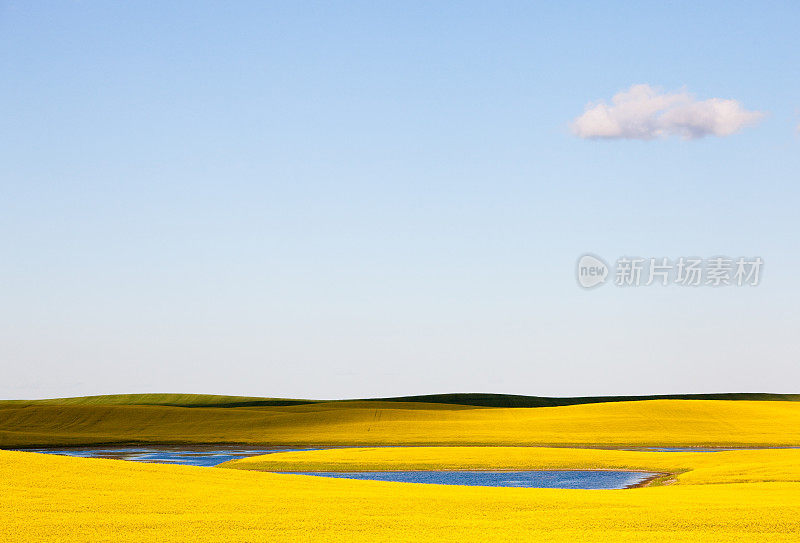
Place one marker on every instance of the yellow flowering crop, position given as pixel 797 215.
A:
pixel 52 498
pixel 653 422
pixel 736 496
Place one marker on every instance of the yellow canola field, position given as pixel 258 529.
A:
pixel 653 422
pixel 52 498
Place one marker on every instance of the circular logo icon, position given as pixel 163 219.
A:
pixel 592 271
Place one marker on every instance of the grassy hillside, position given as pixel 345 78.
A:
pixel 469 399
pixel 654 422
pixel 511 400
pixel 53 498
pixel 174 400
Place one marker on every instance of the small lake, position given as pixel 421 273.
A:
pixel 188 456
pixel 209 455
pixel 577 479
pixel 212 455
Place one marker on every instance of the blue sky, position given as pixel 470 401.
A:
pixel 365 199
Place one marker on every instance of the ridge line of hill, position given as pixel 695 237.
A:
pixel 465 399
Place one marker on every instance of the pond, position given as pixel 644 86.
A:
pixel 578 479
pixel 213 455
pixel 185 455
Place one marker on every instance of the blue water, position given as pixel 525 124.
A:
pixel 212 456
pixel 189 456
pixel 583 479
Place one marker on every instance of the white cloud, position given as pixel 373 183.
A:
pixel 643 112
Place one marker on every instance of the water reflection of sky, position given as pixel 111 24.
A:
pixel 199 455
pixel 189 456
pixel 576 479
